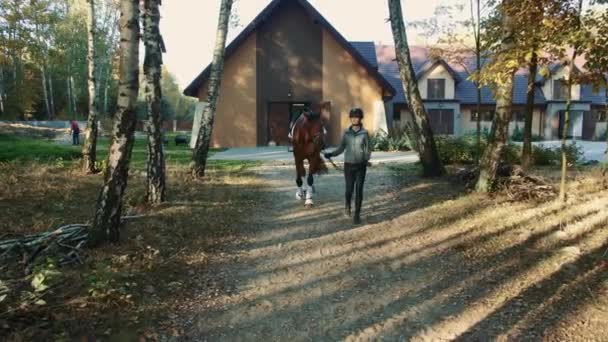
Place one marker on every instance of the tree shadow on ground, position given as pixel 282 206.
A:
pixel 469 268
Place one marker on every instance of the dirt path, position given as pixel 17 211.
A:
pixel 428 263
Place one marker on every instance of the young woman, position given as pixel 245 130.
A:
pixel 355 143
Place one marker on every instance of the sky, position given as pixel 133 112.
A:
pixel 188 26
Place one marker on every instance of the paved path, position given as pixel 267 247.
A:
pixel 281 155
pixel 428 263
pixel 593 150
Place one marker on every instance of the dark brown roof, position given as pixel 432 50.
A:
pixel 192 89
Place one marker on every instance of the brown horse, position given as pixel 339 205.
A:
pixel 308 140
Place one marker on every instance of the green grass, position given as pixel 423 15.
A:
pixel 20 149
pixel 26 149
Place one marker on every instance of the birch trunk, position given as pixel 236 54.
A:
pixel 73 91
pixel 477 36
pixel 69 94
pixel 564 173
pixel 51 97
pixel 570 82
pixel 45 93
pixel 109 203
pixel 155 189
pixel 421 127
pixel 526 153
pixel 497 141
pixel 2 93
pixel 201 149
pixel 89 150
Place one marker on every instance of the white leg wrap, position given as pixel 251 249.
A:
pixel 309 201
pixel 300 193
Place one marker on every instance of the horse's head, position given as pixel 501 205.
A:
pixel 316 129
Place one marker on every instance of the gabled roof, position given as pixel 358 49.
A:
pixel 466 91
pixel 431 64
pixel 368 51
pixel 264 15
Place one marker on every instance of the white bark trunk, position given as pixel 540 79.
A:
pixel 109 204
pixel 45 93
pixel 2 93
pixel 201 150
pixel 69 94
pixel 52 97
pixel 155 187
pixel 74 95
pixel 90 143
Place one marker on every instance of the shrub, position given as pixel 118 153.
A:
pixel 455 150
pixel 462 150
pixel 543 155
pixel 518 135
pixel 396 141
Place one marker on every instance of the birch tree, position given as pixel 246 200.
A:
pixel 203 140
pixel 423 134
pixel 107 220
pixel 89 150
pixel 155 189
pixel 500 72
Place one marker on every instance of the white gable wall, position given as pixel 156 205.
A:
pixel 561 73
pixel 439 71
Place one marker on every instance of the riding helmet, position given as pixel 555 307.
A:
pixel 356 113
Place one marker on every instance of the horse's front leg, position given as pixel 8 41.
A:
pixel 300 171
pixel 310 180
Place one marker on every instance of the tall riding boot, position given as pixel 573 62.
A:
pixel 357 217
pixel 347 212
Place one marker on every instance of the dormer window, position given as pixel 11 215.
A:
pixel 436 88
pixel 560 89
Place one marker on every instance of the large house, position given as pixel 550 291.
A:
pixel 290 57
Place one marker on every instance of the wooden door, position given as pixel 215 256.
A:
pixel 278 123
pixel 441 121
pixel 589 124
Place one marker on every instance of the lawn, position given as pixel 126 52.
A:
pixel 48 151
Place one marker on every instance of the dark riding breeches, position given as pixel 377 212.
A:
pixel 354 175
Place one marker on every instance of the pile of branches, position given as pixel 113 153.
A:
pixel 66 241
pixel 521 187
pixel 513 182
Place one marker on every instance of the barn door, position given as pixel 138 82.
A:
pixel 278 123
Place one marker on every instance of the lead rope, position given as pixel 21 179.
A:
pixel 332 163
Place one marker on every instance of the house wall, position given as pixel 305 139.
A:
pixel 289 59
pixel 454 106
pixel 235 118
pixel 559 74
pixel 438 71
pixel 346 84
pixel 468 126
pixel 552 119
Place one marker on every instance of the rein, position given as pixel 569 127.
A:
pixel 334 164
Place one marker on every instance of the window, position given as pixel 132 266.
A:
pixel 486 115
pixel 518 115
pixel 396 113
pixel 436 88
pixel 560 89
